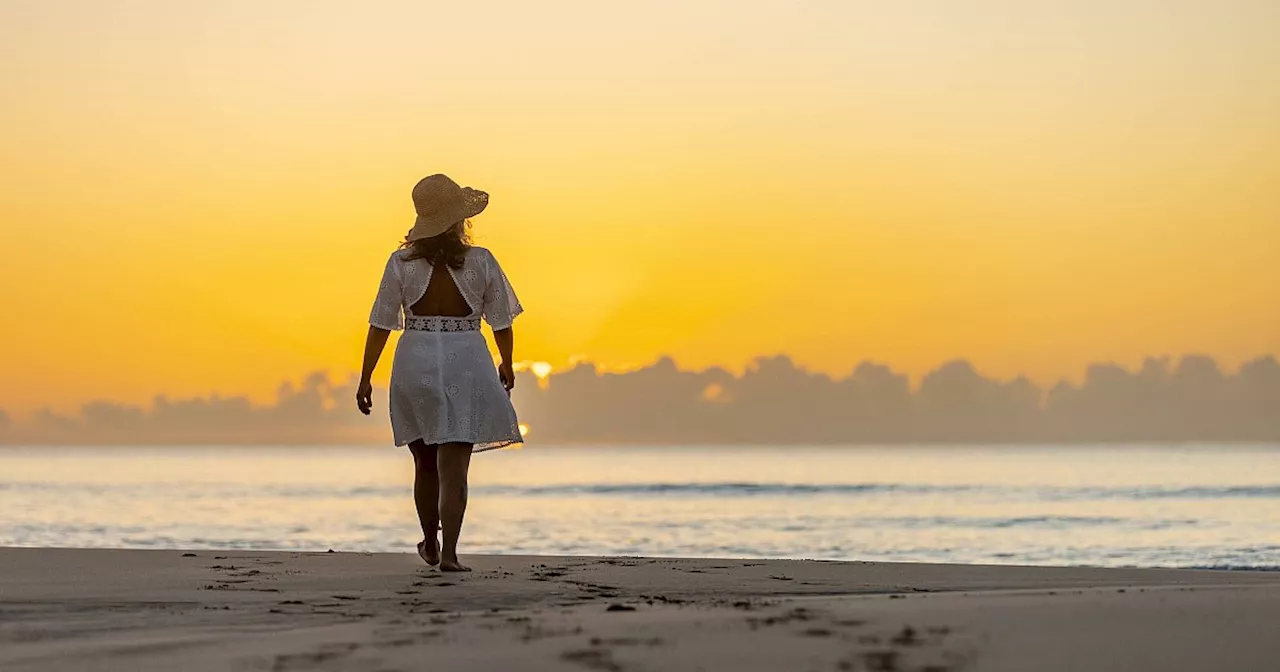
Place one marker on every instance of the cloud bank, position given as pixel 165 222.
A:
pixel 773 402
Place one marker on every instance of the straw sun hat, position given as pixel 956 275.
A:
pixel 441 203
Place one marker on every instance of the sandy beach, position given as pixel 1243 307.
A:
pixel 63 609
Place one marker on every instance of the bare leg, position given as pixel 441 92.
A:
pixel 426 497
pixel 454 460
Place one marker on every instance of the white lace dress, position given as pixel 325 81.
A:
pixel 444 384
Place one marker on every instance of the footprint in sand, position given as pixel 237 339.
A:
pixel 881 661
pixel 325 654
pixel 906 637
pixel 592 659
pixel 626 641
pixel 797 614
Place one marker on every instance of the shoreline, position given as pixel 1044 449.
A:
pixel 69 609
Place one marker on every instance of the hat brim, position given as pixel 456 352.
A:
pixel 472 203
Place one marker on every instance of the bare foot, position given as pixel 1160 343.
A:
pixel 431 555
pixel 453 566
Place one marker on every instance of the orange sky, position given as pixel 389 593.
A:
pixel 199 197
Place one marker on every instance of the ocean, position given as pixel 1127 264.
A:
pixel 1214 506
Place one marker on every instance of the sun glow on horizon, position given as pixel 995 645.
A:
pixel 540 369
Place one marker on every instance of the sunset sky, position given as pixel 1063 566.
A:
pixel 198 197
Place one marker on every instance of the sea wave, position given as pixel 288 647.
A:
pixel 730 489
pixel 735 489
pixel 1188 492
pixel 727 489
pixel 1237 568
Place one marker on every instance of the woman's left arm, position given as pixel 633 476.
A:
pixel 505 340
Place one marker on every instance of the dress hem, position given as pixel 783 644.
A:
pixel 476 446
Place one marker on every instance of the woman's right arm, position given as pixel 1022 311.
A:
pixel 387 314
pixel 373 345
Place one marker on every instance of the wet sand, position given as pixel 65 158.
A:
pixel 64 609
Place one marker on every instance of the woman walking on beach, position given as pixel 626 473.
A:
pixel 447 399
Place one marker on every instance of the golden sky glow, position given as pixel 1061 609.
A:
pixel 199 197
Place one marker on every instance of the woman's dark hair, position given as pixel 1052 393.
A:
pixel 450 247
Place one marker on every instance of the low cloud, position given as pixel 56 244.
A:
pixel 776 402
pixel 318 411
pixel 773 402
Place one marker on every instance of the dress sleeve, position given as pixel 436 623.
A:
pixel 500 303
pixel 388 312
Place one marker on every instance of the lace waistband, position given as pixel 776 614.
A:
pixel 417 323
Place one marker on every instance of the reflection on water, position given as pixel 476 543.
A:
pixel 1121 505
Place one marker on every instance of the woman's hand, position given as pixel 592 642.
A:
pixel 508 375
pixel 364 396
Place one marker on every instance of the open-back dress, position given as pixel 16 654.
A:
pixel 444 385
